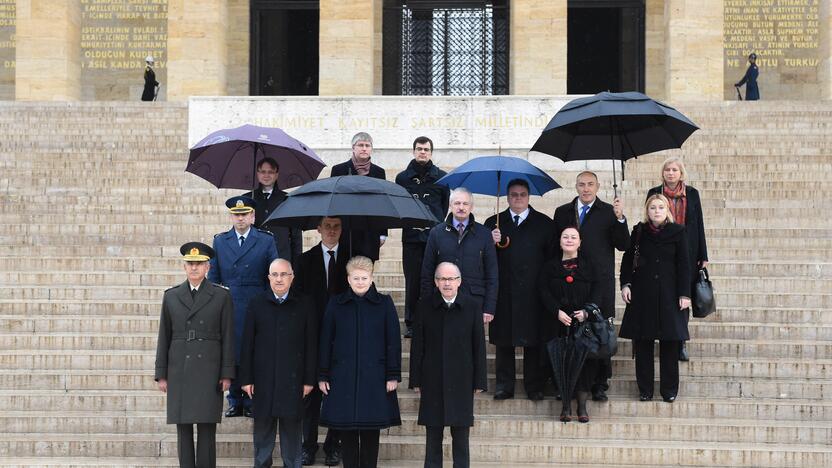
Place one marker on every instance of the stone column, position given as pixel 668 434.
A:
pixel 693 50
pixel 538 47
pixel 197 48
pixel 48 50
pixel 350 47
pixel 654 45
pixel 239 40
pixel 825 72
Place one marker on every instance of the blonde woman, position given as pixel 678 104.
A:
pixel 686 209
pixel 655 285
pixel 360 361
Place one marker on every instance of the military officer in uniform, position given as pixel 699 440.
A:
pixel 195 356
pixel 242 264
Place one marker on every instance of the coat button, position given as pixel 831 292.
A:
pixel 657 260
pixel 199 355
pixel 187 356
pixel 188 322
pixel 655 276
pixel 201 322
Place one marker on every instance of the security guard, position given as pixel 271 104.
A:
pixel 242 264
pixel 195 356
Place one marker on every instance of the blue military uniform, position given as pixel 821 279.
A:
pixel 244 270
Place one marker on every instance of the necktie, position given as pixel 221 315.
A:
pixel 330 271
pixel 193 292
pixel 266 195
pixel 280 300
pixel 584 209
pixel 242 240
pixel 516 220
pixel 461 228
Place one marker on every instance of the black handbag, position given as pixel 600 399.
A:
pixel 703 295
pixel 597 335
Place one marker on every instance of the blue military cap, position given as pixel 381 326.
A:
pixel 241 204
pixel 196 252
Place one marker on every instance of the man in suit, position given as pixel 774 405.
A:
pixel 321 273
pixel 603 229
pixel 242 265
pixel 468 245
pixel 525 241
pixel 419 178
pixel 279 364
pixel 289 241
pixel 196 327
pixel 358 242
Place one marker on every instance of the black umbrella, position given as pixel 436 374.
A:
pixel 363 203
pixel 567 360
pixel 613 126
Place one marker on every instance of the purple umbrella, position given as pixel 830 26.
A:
pixel 228 158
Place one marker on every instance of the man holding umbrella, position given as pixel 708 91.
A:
pixel 517 321
pixel 243 255
pixel 603 229
pixel 419 178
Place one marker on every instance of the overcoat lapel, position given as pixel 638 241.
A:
pixel 183 293
pixel 203 297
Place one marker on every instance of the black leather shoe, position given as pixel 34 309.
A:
pixel 307 458
pixel 683 353
pixel 248 412
pixel 669 399
pixel 599 395
pixel 503 395
pixel 645 397
pixel 408 332
pixel 333 458
pixel 234 411
pixel 534 396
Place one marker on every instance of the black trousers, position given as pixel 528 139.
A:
pixel 668 367
pixel 533 369
pixel 459 445
pixel 206 445
pixel 265 431
pixel 604 374
pixel 359 448
pixel 311 417
pixel 412 255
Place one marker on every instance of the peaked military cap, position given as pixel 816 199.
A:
pixel 196 252
pixel 240 204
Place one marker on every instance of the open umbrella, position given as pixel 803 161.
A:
pixel 228 158
pixel 363 203
pixel 490 175
pixel 613 126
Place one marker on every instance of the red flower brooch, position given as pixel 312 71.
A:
pixel 570 279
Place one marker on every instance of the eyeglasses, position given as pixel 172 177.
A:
pixel 446 280
pixel 280 275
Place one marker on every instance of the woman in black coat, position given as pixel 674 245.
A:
pixel 686 209
pixel 568 286
pixel 360 361
pixel 655 285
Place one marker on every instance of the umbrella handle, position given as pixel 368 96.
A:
pixel 505 244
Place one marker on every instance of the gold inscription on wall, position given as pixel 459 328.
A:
pixel 116 36
pixel 784 34
pixel 7 44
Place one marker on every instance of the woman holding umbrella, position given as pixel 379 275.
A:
pixel 655 285
pixel 686 208
pixel 569 291
pixel 360 361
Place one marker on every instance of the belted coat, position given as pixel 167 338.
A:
pixel 195 349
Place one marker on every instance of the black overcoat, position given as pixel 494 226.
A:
pixel 279 353
pixel 517 318
pixel 661 276
pixel 310 277
pixel 557 293
pixel 695 227
pixel 289 241
pixel 360 351
pixel 601 234
pixel 473 253
pixel 420 181
pixel 366 243
pixel 195 350
pixel 448 360
pixel 150 84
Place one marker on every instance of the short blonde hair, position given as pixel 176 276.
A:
pixel 683 174
pixel 360 263
pixel 663 199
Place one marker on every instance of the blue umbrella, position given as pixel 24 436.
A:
pixel 490 175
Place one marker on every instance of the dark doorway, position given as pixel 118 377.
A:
pixel 605 46
pixel 284 47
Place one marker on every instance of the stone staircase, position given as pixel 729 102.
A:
pixel 95 204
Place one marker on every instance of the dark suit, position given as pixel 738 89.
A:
pixel 311 279
pixel 289 241
pixel 601 234
pixel 357 242
pixel 194 351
